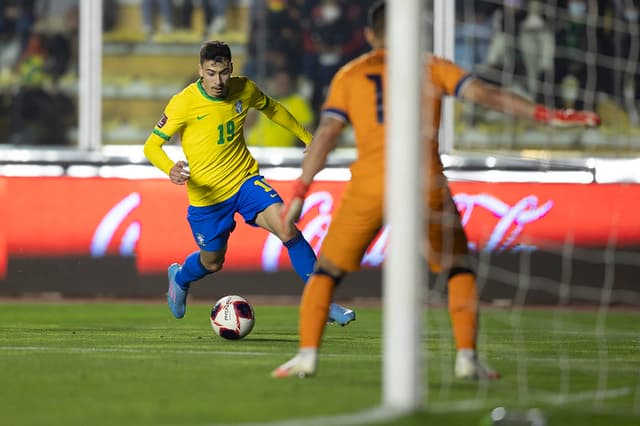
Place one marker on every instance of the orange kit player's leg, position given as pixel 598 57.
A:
pixel 354 225
pixel 448 252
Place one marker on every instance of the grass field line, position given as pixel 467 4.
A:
pixel 152 348
pixel 137 350
pixel 557 399
pixel 572 398
pixel 551 360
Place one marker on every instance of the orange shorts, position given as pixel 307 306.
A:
pixel 359 217
pixel 354 225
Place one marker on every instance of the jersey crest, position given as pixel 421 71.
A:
pixel 238 106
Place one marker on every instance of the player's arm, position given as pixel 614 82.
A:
pixel 178 172
pixel 499 99
pixel 155 154
pixel 280 115
pixel 170 122
pixel 325 140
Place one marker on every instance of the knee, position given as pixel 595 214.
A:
pixel 439 263
pixel 213 265
pixel 325 267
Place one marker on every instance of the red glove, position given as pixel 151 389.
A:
pixel 566 117
pixel 292 210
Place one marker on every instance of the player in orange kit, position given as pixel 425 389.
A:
pixel 356 97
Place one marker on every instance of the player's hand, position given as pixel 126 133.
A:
pixel 292 210
pixel 566 117
pixel 179 173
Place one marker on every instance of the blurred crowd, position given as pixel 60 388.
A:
pixel 564 53
pixel 37 47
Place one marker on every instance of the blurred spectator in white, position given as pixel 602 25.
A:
pixel 264 132
pixel 150 9
pixel 332 39
pixel 502 54
pixel 216 15
pixel 537 44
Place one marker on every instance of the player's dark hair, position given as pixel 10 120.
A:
pixel 216 51
pixel 376 19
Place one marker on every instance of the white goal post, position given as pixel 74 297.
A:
pixel 404 282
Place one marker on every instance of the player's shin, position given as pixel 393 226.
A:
pixel 314 309
pixel 302 256
pixel 463 307
pixel 192 270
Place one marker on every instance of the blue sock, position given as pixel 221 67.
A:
pixel 192 270
pixel 302 256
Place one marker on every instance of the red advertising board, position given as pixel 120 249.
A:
pixel 65 216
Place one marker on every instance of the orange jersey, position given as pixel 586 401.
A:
pixel 356 96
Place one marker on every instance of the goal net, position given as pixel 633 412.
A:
pixel 549 214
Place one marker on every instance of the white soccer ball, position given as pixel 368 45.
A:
pixel 232 317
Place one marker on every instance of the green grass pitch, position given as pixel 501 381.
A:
pixel 132 364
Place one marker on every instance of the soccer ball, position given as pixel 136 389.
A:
pixel 232 317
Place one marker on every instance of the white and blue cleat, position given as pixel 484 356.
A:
pixel 340 315
pixel 176 296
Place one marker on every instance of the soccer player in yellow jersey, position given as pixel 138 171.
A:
pixel 221 175
pixel 356 96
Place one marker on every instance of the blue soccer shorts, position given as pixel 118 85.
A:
pixel 212 225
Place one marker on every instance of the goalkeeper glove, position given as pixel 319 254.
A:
pixel 293 209
pixel 566 117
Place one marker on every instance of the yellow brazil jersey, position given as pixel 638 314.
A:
pixel 211 134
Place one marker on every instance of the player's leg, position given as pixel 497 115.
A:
pixel 314 311
pixel 302 256
pixel 448 253
pixel 211 227
pixel 262 206
pixel 354 226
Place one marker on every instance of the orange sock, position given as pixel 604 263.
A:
pixel 314 309
pixel 463 308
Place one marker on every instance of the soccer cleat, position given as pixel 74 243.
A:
pixel 302 365
pixel 340 315
pixel 468 367
pixel 176 296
